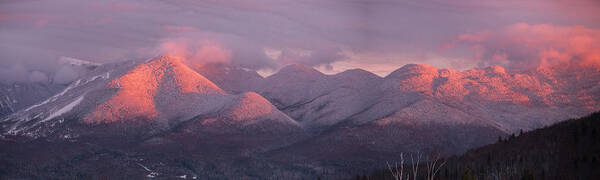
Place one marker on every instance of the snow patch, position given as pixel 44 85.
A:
pixel 7 103
pixel 103 76
pixel 152 173
pixel 65 109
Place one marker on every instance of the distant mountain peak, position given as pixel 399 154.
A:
pixel 413 69
pixel 356 72
pixel 299 69
pixel 231 78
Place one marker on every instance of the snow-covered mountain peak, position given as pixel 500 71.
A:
pixel 231 78
pixel 149 96
pixel 413 69
pixel 298 70
pixel 356 74
pixel 138 89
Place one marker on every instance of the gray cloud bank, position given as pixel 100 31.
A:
pixel 262 34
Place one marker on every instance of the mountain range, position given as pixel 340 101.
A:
pixel 297 116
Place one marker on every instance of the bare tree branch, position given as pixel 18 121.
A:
pixel 397 173
pixel 415 165
pixel 432 165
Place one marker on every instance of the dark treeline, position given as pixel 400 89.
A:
pixel 566 150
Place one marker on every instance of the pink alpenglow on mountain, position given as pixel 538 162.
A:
pixel 137 90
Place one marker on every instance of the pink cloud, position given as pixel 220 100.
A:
pixel 212 52
pixel 197 53
pixel 477 37
pixel 521 46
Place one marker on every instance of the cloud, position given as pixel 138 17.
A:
pixel 199 47
pixel 17 72
pixel 322 57
pixel 196 52
pixel 523 46
pixel 202 46
pixel 65 75
pixel 37 76
pixel 35 33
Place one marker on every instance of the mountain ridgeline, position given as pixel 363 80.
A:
pixel 164 118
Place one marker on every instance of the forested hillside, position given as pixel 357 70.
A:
pixel 566 150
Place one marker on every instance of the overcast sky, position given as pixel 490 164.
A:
pixel 332 35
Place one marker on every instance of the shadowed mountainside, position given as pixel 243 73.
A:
pixel 566 150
